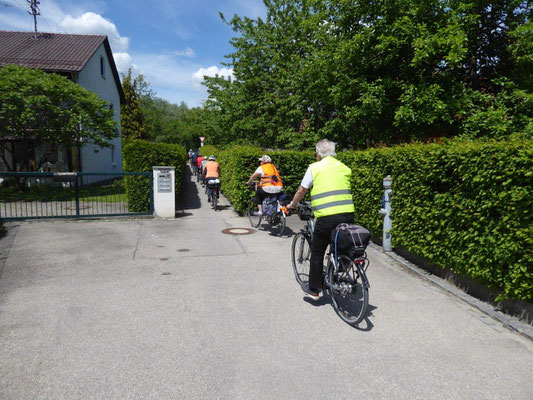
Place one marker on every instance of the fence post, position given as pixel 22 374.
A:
pixel 77 193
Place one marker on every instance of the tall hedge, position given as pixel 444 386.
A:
pixel 239 162
pixel 467 207
pixel 141 156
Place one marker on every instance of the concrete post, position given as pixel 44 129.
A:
pixel 164 192
pixel 386 213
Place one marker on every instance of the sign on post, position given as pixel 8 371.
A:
pixel 164 192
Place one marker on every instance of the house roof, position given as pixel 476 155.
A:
pixel 54 52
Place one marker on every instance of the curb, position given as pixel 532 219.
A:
pixel 510 322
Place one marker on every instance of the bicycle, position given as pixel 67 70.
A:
pixel 277 221
pixel 345 277
pixel 214 186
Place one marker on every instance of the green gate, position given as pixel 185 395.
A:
pixel 36 195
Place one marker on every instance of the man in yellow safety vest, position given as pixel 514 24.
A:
pixel 332 204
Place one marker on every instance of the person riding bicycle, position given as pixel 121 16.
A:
pixel 211 171
pixel 199 160
pixel 194 157
pixel 270 184
pixel 332 204
pixel 202 166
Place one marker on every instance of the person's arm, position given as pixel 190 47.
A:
pixel 297 197
pixel 254 175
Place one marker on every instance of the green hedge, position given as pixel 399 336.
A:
pixel 465 206
pixel 238 163
pixel 141 156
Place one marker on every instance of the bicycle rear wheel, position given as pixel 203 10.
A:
pixel 349 290
pixel 278 227
pixel 214 199
pixel 301 257
pixel 253 217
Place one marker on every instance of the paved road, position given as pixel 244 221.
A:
pixel 160 309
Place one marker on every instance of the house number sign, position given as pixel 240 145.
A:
pixel 164 183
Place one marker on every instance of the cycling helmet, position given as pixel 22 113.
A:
pixel 212 158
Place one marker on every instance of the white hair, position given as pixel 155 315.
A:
pixel 325 148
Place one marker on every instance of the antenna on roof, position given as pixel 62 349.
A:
pixel 34 5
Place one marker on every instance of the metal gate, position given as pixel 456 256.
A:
pixel 36 195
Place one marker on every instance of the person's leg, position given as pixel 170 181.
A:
pixel 318 249
pixel 321 239
pixel 260 195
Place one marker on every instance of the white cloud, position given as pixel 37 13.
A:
pixel 124 62
pixel 91 23
pixel 198 75
pixel 188 52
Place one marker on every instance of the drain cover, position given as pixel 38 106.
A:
pixel 238 231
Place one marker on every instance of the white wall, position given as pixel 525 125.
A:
pixel 105 159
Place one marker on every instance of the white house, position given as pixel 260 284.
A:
pixel 86 60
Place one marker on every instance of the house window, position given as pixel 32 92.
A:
pixel 102 66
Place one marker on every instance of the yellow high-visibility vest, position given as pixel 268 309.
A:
pixel 331 192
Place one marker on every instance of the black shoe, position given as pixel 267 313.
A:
pixel 310 292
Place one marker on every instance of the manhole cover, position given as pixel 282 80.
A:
pixel 238 231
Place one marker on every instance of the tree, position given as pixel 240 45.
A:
pixel 132 119
pixel 44 108
pixel 362 72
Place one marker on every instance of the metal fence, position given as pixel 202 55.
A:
pixel 32 195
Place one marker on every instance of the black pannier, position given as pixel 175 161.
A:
pixel 305 211
pixel 350 240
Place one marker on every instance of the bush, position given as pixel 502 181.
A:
pixel 208 150
pixel 239 162
pixel 141 156
pixel 464 206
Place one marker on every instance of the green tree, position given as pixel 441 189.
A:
pixel 362 72
pixel 132 119
pixel 45 108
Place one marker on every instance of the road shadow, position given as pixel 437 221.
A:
pixel 365 325
pixel 189 196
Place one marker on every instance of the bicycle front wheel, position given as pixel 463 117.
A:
pixel 349 290
pixel 301 257
pixel 253 217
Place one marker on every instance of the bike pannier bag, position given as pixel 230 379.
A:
pixel 270 206
pixel 350 239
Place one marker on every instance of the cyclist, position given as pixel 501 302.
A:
pixel 211 171
pixel 199 160
pixel 202 168
pixel 332 204
pixel 194 157
pixel 270 184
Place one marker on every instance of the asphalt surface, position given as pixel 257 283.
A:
pixel 175 309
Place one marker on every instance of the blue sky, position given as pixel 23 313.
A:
pixel 172 43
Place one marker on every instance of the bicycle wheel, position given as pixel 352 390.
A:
pixel 348 290
pixel 252 210
pixel 278 224
pixel 214 200
pixel 301 257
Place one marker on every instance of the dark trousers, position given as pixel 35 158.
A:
pixel 261 195
pixel 321 239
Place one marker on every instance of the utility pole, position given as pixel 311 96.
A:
pixel 34 6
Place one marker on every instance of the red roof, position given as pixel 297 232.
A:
pixel 53 52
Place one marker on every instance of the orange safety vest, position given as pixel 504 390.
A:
pixel 211 169
pixel 271 176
